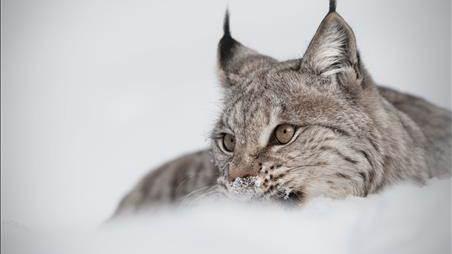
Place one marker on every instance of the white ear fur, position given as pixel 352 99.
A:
pixel 333 48
pixel 330 52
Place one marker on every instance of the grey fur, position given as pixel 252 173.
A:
pixel 353 137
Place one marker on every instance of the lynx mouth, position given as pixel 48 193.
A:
pixel 250 188
pixel 246 188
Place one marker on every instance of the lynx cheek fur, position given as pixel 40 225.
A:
pixel 313 126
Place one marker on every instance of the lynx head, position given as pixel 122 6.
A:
pixel 302 127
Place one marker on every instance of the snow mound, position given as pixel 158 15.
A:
pixel 402 219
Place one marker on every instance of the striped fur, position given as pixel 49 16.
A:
pixel 171 182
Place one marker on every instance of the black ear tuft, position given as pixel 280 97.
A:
pixel 235 60
pixel 227 43
pixel 332 5
pixel 226 30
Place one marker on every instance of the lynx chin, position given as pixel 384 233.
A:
pixel 293 130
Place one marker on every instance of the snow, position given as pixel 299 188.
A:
pixel 248 187
pixel 403 219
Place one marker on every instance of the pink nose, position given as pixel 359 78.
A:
pixel 235 172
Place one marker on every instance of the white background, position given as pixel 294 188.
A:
pixel 96 93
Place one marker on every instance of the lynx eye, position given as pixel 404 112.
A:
pixel 228 143
pixel 284 133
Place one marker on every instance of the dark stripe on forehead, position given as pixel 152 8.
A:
pixel 253 100
pixel 231 105
pixel 242 111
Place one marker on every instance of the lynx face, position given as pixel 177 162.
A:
pixel 302 127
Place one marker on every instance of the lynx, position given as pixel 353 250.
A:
pixel 297 129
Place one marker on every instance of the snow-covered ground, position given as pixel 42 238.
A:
pixel 404 219
pixel 96 93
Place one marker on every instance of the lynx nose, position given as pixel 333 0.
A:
pixel 242 172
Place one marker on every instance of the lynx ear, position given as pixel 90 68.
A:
pixel 235 61
pixel 333 48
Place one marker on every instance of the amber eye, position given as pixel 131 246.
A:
pixel 229 142
pixel 284 133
